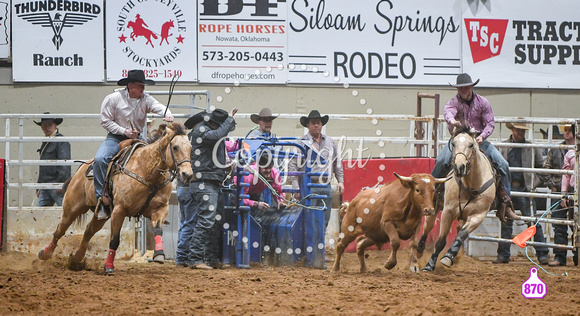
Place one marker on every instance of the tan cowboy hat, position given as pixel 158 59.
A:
pixel 264 113
pixel 135 75
pixel 56 121
pixel 517 126
pixel 464 80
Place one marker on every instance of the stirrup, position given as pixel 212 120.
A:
pixel 102 210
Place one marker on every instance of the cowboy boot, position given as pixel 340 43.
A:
pixel 505 210
pixel 103 211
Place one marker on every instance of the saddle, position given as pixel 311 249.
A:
pixel 502 201
pixel 116 165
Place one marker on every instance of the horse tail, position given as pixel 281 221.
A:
pixel 65 185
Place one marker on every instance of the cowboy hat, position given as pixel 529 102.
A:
pixel 264 113
pixel 464 80
pixel 56 121
pixel 218 116
pixel 517 126
pixel 135 75
pixel 314 114
pixel 195 119
pixel 556 134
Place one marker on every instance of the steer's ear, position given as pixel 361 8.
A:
pixel 405 181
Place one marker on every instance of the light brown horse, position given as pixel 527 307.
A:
pixel 143 188
pixel 468 198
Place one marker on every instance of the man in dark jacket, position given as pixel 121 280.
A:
pixel 208 159
pixel 52 173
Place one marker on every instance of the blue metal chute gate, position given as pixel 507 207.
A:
pixel 273 237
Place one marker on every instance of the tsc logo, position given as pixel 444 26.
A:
pixel 485 37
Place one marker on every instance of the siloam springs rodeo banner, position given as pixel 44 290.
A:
pixel 399 42
pixel 57 40
pixel 522 43
pixel 158 36
pixel 242 41
pixel 4 29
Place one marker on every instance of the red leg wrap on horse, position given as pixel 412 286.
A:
pixel 158 243
pixel 110 259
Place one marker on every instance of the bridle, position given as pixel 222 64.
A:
pixel 176 163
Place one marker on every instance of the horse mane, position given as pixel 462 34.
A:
pixel 464 129
pixel 178 128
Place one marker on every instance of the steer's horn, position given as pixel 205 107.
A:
pixel 442 180
pixel 403 177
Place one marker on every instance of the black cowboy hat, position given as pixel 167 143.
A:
pixel 556 134
pixel 264 113
pixel 464 80
pixel 218 116
pixel 195 119
pixel 314 114
pixel 56 121
pixel 135 75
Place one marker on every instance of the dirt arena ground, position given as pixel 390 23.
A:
pixel 471 287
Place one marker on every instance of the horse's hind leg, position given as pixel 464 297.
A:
pixel 69 214
pixel 92 228
pixel 446 219
pixel 427 227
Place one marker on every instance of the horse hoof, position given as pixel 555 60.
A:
pixel 41 255
pixel 109 271
pixel 428 269
pixel 414 269
pixel 390 265
pixel 159 259
pixel 446 262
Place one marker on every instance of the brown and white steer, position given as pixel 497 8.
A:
pixel 387 213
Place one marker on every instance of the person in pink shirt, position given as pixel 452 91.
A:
pixel 568 180
pixel 265 168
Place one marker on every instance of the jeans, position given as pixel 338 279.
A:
pixel 48 197
pixel 523 204
pixel 187 219
pixel 561 234
pixel 203 245
pixel 445 156
pixel 108 149
pixel 327 190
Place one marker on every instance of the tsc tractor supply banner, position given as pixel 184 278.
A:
pixel 158 36
pixel 57 40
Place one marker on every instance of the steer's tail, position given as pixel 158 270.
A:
pixel 343 209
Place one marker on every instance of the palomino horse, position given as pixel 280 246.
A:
pixel 467 199
pixel 141 187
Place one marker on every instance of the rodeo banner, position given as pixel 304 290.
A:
pixel 242 41
pixel 57 40
pixel 158 36
pixel 522 44
pixel 4 29
pixel 374 42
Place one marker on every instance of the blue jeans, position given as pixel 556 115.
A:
pixel 561 233
pixel 328 201
pixel 48 197
pixel 108 149
pixel 187 219
pixel 523 204
pixel 203 245
pixel 445 156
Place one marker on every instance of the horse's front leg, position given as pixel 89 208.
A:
pixel 390 229
pixel 157 220
pixel 117 218
pixel 446 218
pixel 470 225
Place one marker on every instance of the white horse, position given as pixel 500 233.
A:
pixel 468 197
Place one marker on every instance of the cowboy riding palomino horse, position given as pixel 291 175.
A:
pixel 468 198
pixel 140 186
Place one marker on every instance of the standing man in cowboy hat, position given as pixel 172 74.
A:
pixel 327 149
pixel 208 160
pixel 467 108
pixel 52 173
pixel 123 116
pixel 264 119
pixel 521 182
